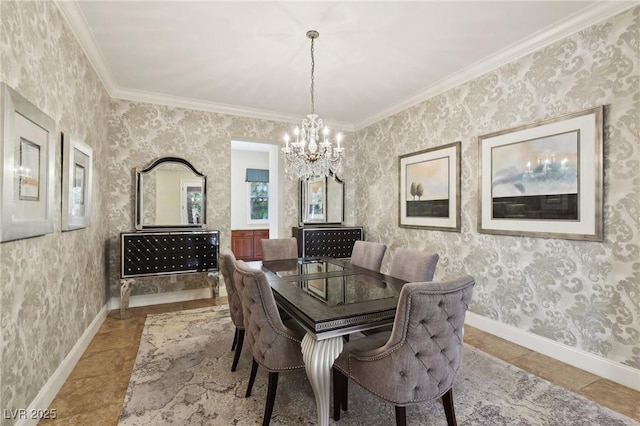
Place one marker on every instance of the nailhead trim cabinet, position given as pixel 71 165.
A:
pixel 147 254
pixel 322 241
pixel 164 253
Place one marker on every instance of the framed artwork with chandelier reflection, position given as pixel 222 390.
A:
pixel 544 179
pixel 321 200
pixel 28 166
pixel 430 188
pixel 77 175
pixel 315 200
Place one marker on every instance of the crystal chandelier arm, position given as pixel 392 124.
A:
pixel 312 154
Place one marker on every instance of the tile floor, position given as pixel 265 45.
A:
pixel 94 392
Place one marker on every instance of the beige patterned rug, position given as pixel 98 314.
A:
pixel 182 377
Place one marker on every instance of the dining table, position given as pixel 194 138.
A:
pixel 331 299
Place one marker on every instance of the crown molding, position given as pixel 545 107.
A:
pixel 77 23
pixel 195 104
pixel 589 16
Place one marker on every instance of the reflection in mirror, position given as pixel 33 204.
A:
pixel 321 200
pixel 170 193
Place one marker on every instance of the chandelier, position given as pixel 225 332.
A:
pixel 311 154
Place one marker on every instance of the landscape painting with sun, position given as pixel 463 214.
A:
pixel 427 185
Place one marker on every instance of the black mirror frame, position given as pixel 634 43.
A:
pixel 153 165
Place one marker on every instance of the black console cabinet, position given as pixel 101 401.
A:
pixel 164 253
pixel 145 254
pixel 327 241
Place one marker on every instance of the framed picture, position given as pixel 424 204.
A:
pixel 544 179
pixel 28 167
pixel 430 188
pixel 77 177
pixel 318 288
pixel 315 201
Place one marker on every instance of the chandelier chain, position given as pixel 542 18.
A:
pixel 313 66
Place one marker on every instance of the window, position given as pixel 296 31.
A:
pixel 258 189
pixel 259 201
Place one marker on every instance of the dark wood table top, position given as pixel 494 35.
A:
pixel 330 297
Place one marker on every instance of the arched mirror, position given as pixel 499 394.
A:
pixel 170 193
pixel 321 200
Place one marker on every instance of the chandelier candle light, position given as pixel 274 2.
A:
pixel 311 154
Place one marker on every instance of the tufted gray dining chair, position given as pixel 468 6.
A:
pixel 411 266
pixel 273 345
pixel 419 359
pixel 279 248
pixel 414 265
pixel 368 255
pixel 227 267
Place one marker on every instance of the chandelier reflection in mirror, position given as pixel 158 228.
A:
pixel 311 153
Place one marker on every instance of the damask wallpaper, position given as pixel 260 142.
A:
pixel 582 294
pixel 52 286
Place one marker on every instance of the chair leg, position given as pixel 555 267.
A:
pixel 252 378
pixel 235 339
pixel 271 397
pixel 345 393
pixel 449 411
pixel 338 384
pixel 341 392
pixel 236 355
pixel 401 416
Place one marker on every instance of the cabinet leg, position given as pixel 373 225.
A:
pixel 125 292
pixel 215 284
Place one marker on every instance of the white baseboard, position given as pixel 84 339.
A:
pixel 167 297
pixel 222 291
pixel 49 391
pixel 605 368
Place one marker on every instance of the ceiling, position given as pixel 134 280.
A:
pixel 372 59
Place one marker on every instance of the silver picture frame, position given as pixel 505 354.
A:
pixel 77 181
pixel 27 167
pixel 315 200
pixel 429 193
pixel 544 179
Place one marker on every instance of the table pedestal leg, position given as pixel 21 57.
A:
pixel 318 358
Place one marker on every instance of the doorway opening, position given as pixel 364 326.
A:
pixel 248 160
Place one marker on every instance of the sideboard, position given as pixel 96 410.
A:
pixel 320 241
pixel 146 254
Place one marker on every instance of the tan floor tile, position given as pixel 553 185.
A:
pixel 113 362
pixel 617 397
pixel 115 323
pixel 115 339
pixel 203 303
pixel 105 416
pixel 493 345
pixel 557 372
pixel 88 395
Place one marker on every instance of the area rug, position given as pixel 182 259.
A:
pixel 182 377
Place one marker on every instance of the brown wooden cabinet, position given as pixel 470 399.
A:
pixel 245 244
